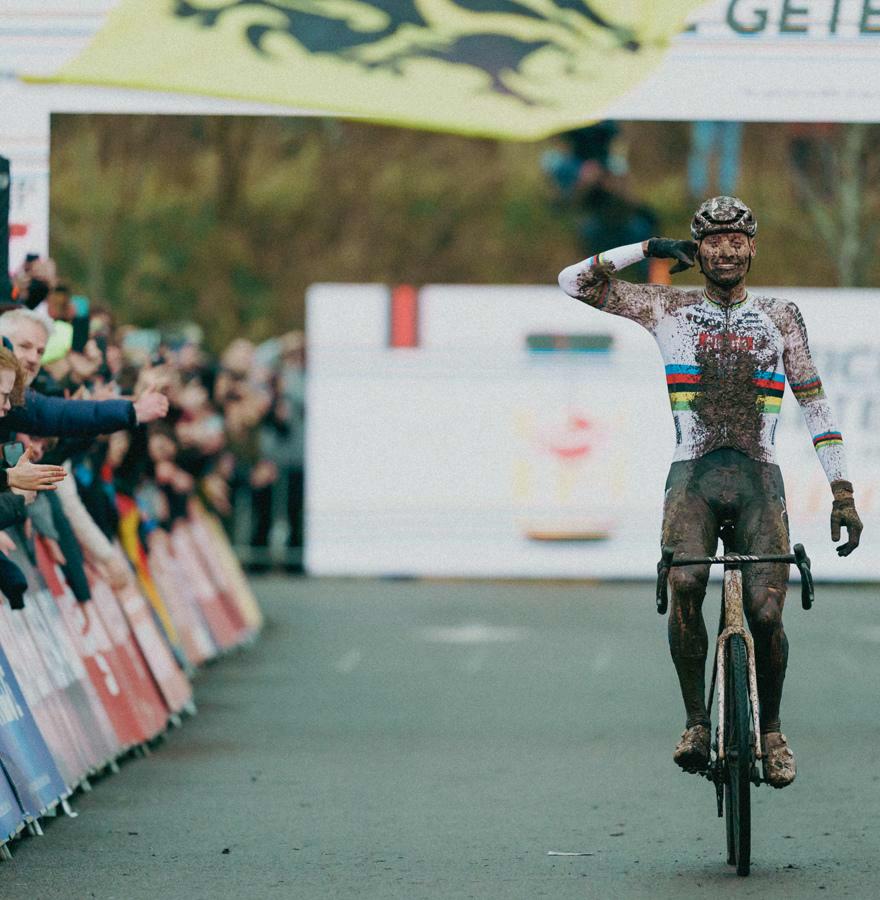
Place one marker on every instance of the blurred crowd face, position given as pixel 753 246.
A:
pixel 117 446
pixel 7 383
pixel 29 344
pixel 59 302
pixel 161 448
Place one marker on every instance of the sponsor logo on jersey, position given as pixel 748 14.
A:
pixel 726 340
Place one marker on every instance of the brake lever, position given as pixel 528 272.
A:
pixel 663 580
pixel 803 564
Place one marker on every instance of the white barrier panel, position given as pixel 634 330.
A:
pixel 477 453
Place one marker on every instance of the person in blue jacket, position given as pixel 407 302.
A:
pixel 44 416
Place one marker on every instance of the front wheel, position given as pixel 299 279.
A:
pixel 738 741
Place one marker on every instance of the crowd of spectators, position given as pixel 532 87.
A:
pixel 151 415
pixel 120 449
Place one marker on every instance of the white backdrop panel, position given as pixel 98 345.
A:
pixel 463 455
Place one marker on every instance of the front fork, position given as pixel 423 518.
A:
pixel 734 624
pixel 733 617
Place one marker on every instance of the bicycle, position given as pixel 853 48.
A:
pixel 737 749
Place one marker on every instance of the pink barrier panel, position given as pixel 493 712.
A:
pixel 85 711
pixel 148 703
pixel 83 714
pixel 205 546
pixel 180 601
pixel 99 657
pixel 190 569
pixel 171 681
pixel 227 559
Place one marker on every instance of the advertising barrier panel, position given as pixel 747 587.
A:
pixel 26 759
pixel 526 434
pixel 171 681
pixel 11 813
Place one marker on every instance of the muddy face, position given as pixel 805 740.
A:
pixel 725 258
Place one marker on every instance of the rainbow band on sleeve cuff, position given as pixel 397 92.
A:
pixel 804 389
pixel 827 439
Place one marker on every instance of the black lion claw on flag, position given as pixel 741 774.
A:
pixel 386 34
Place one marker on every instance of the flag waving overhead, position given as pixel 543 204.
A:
pixel 501 68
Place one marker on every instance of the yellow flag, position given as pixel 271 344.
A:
pixel 499 68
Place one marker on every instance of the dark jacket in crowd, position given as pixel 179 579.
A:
pixel 56 417
pixel 12 510
pixel 12 580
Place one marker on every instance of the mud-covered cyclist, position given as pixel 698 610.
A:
pixel 727 354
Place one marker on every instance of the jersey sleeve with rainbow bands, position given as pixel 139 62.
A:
pixel 590 282
pixel 806 385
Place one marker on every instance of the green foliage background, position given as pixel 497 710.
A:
pixel 227 220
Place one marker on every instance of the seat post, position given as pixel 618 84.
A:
pixel 726 535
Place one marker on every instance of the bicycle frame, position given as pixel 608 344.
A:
pixel 734 622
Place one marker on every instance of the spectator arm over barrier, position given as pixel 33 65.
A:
pixel 93 540
pixel 53 416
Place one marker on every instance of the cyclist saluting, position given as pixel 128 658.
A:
pixel 727 354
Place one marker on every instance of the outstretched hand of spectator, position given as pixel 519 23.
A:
pixel 26 476
pixel 116 572
pixel 151 405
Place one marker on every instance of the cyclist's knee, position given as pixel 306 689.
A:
pixel 689 585
pixel 765 610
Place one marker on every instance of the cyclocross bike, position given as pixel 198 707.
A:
pixel 733 766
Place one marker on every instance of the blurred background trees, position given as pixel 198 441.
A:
pixel 227 220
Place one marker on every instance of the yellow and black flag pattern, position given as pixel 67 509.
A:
pixel 502 68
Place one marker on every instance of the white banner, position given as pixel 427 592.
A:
pixel 528 435
pixel 767 61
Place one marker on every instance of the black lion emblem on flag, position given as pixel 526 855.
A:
pixel 484 34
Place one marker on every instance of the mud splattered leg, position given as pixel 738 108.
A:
pixel 764 605
pixel 764 530
pixel 689 527
pixel 688 641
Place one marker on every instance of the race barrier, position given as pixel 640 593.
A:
pixel 84 683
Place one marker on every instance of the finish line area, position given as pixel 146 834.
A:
pixel 488 739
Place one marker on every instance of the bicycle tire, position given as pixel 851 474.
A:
pixel 738 756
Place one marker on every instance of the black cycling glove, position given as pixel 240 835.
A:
pixel 843 513
pixel 683 251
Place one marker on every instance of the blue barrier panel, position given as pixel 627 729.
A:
pixel 11 814
pixel 26 759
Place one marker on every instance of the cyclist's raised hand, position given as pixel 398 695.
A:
pixel 843 512
pixel 667 248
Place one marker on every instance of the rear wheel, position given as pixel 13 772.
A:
pixel 738 742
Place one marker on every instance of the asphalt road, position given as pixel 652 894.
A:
pixel 414 740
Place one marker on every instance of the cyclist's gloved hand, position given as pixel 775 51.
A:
pixel 683 251
pixel 843 512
